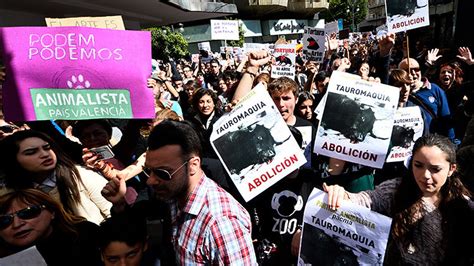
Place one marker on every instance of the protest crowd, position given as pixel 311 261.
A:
pixel 169 190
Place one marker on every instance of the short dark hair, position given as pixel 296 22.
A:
pixel 199 93
pixel 175 133
pixel 79 126
pixel 123 227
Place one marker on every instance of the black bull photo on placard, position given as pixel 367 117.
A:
pixel 352 119
pixel 247 146
pixel 402 7
pixel 402 136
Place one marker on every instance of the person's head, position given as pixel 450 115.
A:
pixel 30 156
pixel 321 79
pixel 215 67
pixel 263 78
pixel 190 87
pixel 123 240
pixel 399 78
pixel 465 160
pixel 204 101
pixel 200 76
pixel 178 82
pixel 414 70
pixel 164 114
pixel 30 215
pixel 174 157
pixel 230 77
pixel 304 105
pixel 156 85
pixel 284 92
pixel 311 67
pixel 433 163
pixel 447 75
pixel 93 133
pixel 364 70
pixel 222 85
pixel 188 72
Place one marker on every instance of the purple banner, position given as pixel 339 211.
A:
pixel 75 73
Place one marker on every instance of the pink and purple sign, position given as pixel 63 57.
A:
pixel 74 73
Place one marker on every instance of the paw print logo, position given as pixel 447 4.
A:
pixel 78 82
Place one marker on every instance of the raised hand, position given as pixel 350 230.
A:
pixel 465 55
pixel 114 191
pixel 432 56
pixel 386 43
pixel 258 58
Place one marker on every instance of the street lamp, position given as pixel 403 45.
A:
pixel 353 7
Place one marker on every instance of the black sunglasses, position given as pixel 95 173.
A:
pixel 25 214
pixel 162 173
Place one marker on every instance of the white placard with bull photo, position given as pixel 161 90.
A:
pixel 350 235
pixel 284 63
pixel 313 44
pixel 255 145
pixel 357 120
pixel 403 15
pixel 407 128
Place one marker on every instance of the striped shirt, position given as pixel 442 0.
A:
pixel 212 228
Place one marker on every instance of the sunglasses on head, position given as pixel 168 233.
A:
pixel 27 213
pixel 162 173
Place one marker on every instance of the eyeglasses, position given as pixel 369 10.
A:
pixel 25 214
pixel 162 173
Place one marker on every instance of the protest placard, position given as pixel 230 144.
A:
pixel 224 29
pixel 407 128
pixel 74 73
pixel 108 22
pixel 403 15
pixel 331 27
pixel 204 46
pixel 284 64
pixel 29 256
pixel 357 120
pixel 306 132
pixel 350 235
pixel 255 145
pixel 313 44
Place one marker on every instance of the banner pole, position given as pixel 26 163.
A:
pixel 408 52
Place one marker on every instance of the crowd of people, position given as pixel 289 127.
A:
pixel 163 197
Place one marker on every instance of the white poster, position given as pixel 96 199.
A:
pixel 350 235
pixel 284 63
pixel 255 145
pixel 204 46
pixel 224 29
pixel 403 15
pixel 331 27
pixel 306 132
pixel 287 26
pixel 357 120
pixel 407 128
pixel 313 44
pixel 107 22
pixel 29 256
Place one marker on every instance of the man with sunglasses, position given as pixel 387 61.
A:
pixel 208 226
pixel 431 99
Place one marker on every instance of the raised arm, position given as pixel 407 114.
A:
pixel 255 60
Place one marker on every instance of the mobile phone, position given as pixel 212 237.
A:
pixel 6 129
pixel 104 151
